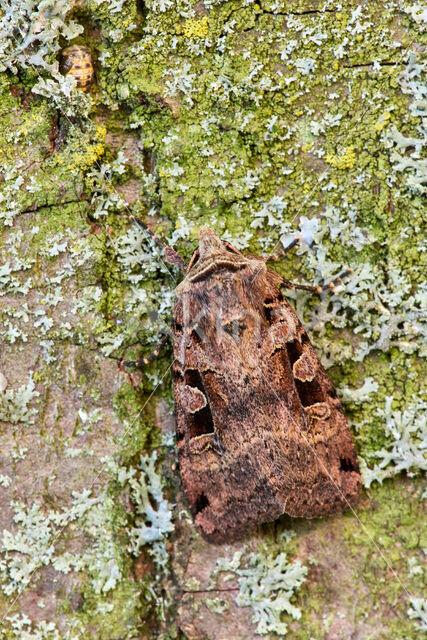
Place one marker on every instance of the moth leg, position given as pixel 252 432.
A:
pixel 305 287
pixel 149 358
pixel 171 256
pixel 331 285
pixel 319 289
pixel 284 251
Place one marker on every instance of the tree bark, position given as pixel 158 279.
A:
pixel 263 121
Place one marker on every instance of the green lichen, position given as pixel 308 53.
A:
pixel 30 33
pixel 362 567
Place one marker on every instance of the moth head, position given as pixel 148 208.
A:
pixel 209 243
pixel 211 248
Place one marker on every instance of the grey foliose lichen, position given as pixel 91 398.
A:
pixel 30 32
pixel 267 583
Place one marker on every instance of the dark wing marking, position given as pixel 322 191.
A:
pixel 323 434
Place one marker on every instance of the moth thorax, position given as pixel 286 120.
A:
pixel 209 243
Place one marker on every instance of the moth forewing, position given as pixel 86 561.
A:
pixel 260 430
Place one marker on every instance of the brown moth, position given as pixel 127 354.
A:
pixel 77 61
pixel 260 430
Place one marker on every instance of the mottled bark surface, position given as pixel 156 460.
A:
pixel 261 120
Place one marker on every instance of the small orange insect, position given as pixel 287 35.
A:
pixel 77 60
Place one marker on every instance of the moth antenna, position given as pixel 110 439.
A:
pixel 171 256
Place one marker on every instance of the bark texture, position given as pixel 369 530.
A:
pixel 261 120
